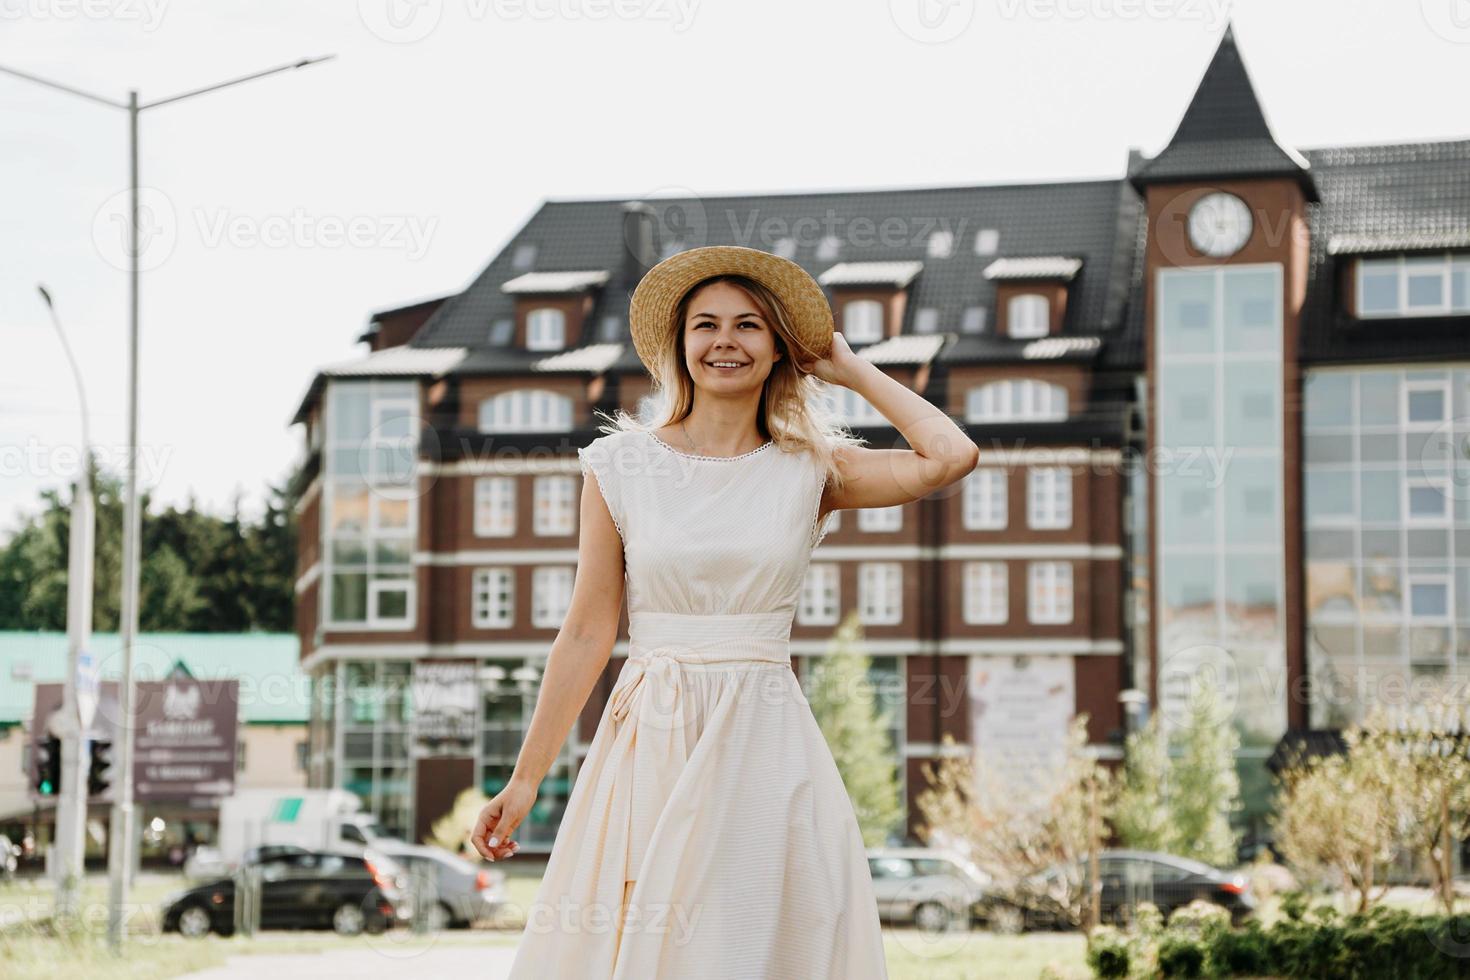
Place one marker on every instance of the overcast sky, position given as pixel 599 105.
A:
pixel 283 212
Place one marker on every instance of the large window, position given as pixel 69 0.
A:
pixel 1049 592
pixel 370 512
pixel 551 595
pixel 985 499
pixel 1416 285
pixel 1028 315
pixel 852 407
pixel 820 595
pixel 1025 400
pixel 880 592
pixel 508 690
pixel 1049 497
pixel 376 718
pixel 879 519
pixel 492 604
pixel 987 592
pixel 526 410
pixel 546 329
pixel 555 499
pixel 495 506
pixel 1220 487
pixel 862 321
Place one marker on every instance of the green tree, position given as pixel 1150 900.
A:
pixel 1142 818
pixel 845 704
pixel 452 831
pixel 1205 784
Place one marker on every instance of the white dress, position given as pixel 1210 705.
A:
pixel 707 783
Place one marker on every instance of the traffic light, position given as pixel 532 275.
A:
pixel 99 775
pixel 48 766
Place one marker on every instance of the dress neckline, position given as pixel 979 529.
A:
pixel 719 459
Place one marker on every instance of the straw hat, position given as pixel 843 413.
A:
pixel 650 315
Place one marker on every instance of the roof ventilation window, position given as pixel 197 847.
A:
pixel 828 248
pixel 941 244
pixel 987 240
pixel 524 259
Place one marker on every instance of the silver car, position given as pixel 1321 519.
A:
pixel 466 894
pixel 933 888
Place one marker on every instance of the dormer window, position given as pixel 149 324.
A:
pixel 1028 315
pixel 526 410
pixel 1403 285
pixel 862 321
pixel 546 329
pixel 828 248
pixel 1026 400
pixel 941 244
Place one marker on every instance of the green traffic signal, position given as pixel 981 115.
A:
pixel 48 765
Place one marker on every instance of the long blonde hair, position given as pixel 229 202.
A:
pixel 792 413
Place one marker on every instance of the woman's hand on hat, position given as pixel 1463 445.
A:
pixel 837 366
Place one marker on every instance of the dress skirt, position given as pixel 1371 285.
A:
pixel 709 787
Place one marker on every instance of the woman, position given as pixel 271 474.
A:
pixel 708 833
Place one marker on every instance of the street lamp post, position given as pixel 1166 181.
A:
pixel 120 831
pixel 78 704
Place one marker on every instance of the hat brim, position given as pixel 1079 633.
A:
pixel 651 311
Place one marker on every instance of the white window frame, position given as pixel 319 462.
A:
pixel 546 328
pixel 486 612
pixel 551 595
pixel 985 506
pixel 1445 582
pixel 1049 497
pixel 1452 261
pixel 1406 388
pixel 821 595
pixel 1028 316
pixel 495 506
pixel 862 321
pixel 987 593
pixel 526 410
pixel 554 505
pixel 1048 607
pixel 881 520
pixel 1439 483
pixel 1040 401
pixel 880 593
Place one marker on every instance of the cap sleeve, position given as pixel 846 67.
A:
pixel 597 458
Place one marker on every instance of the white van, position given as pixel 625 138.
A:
pixel 315 819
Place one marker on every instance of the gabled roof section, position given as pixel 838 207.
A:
pixel 1034 267
pixel 905 349
pixel 390 362
pixel 555 282
pixel 1224 133
pixel 897 274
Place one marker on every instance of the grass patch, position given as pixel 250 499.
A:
pixel 979 955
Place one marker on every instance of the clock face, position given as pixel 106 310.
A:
pixel 1219 224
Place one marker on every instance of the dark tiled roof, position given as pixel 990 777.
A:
pixel 1087 219
pixel 1223 133
pixel 1411 192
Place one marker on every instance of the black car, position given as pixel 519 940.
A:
pixel 348 893
pixel 1130 877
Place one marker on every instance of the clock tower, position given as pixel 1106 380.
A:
pixel 1225 271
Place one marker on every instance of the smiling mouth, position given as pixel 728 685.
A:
pixel 735 368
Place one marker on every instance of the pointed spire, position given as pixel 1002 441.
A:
pixel 1223 133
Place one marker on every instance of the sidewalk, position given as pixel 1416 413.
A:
pixel 367 963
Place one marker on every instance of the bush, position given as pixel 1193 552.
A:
pixel 1308 943
pixel 1181 956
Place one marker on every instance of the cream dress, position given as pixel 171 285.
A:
pixel 708 835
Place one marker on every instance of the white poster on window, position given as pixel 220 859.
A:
pixel 1020 709
pixel 445 696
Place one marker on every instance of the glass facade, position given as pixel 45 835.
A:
pixel 1219 505
pixel 363 738
pixel 1387 535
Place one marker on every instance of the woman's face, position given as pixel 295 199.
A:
pixel 724 325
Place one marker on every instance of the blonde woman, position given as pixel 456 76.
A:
pixel 708 833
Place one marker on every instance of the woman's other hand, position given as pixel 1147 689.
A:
pixel 499 819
